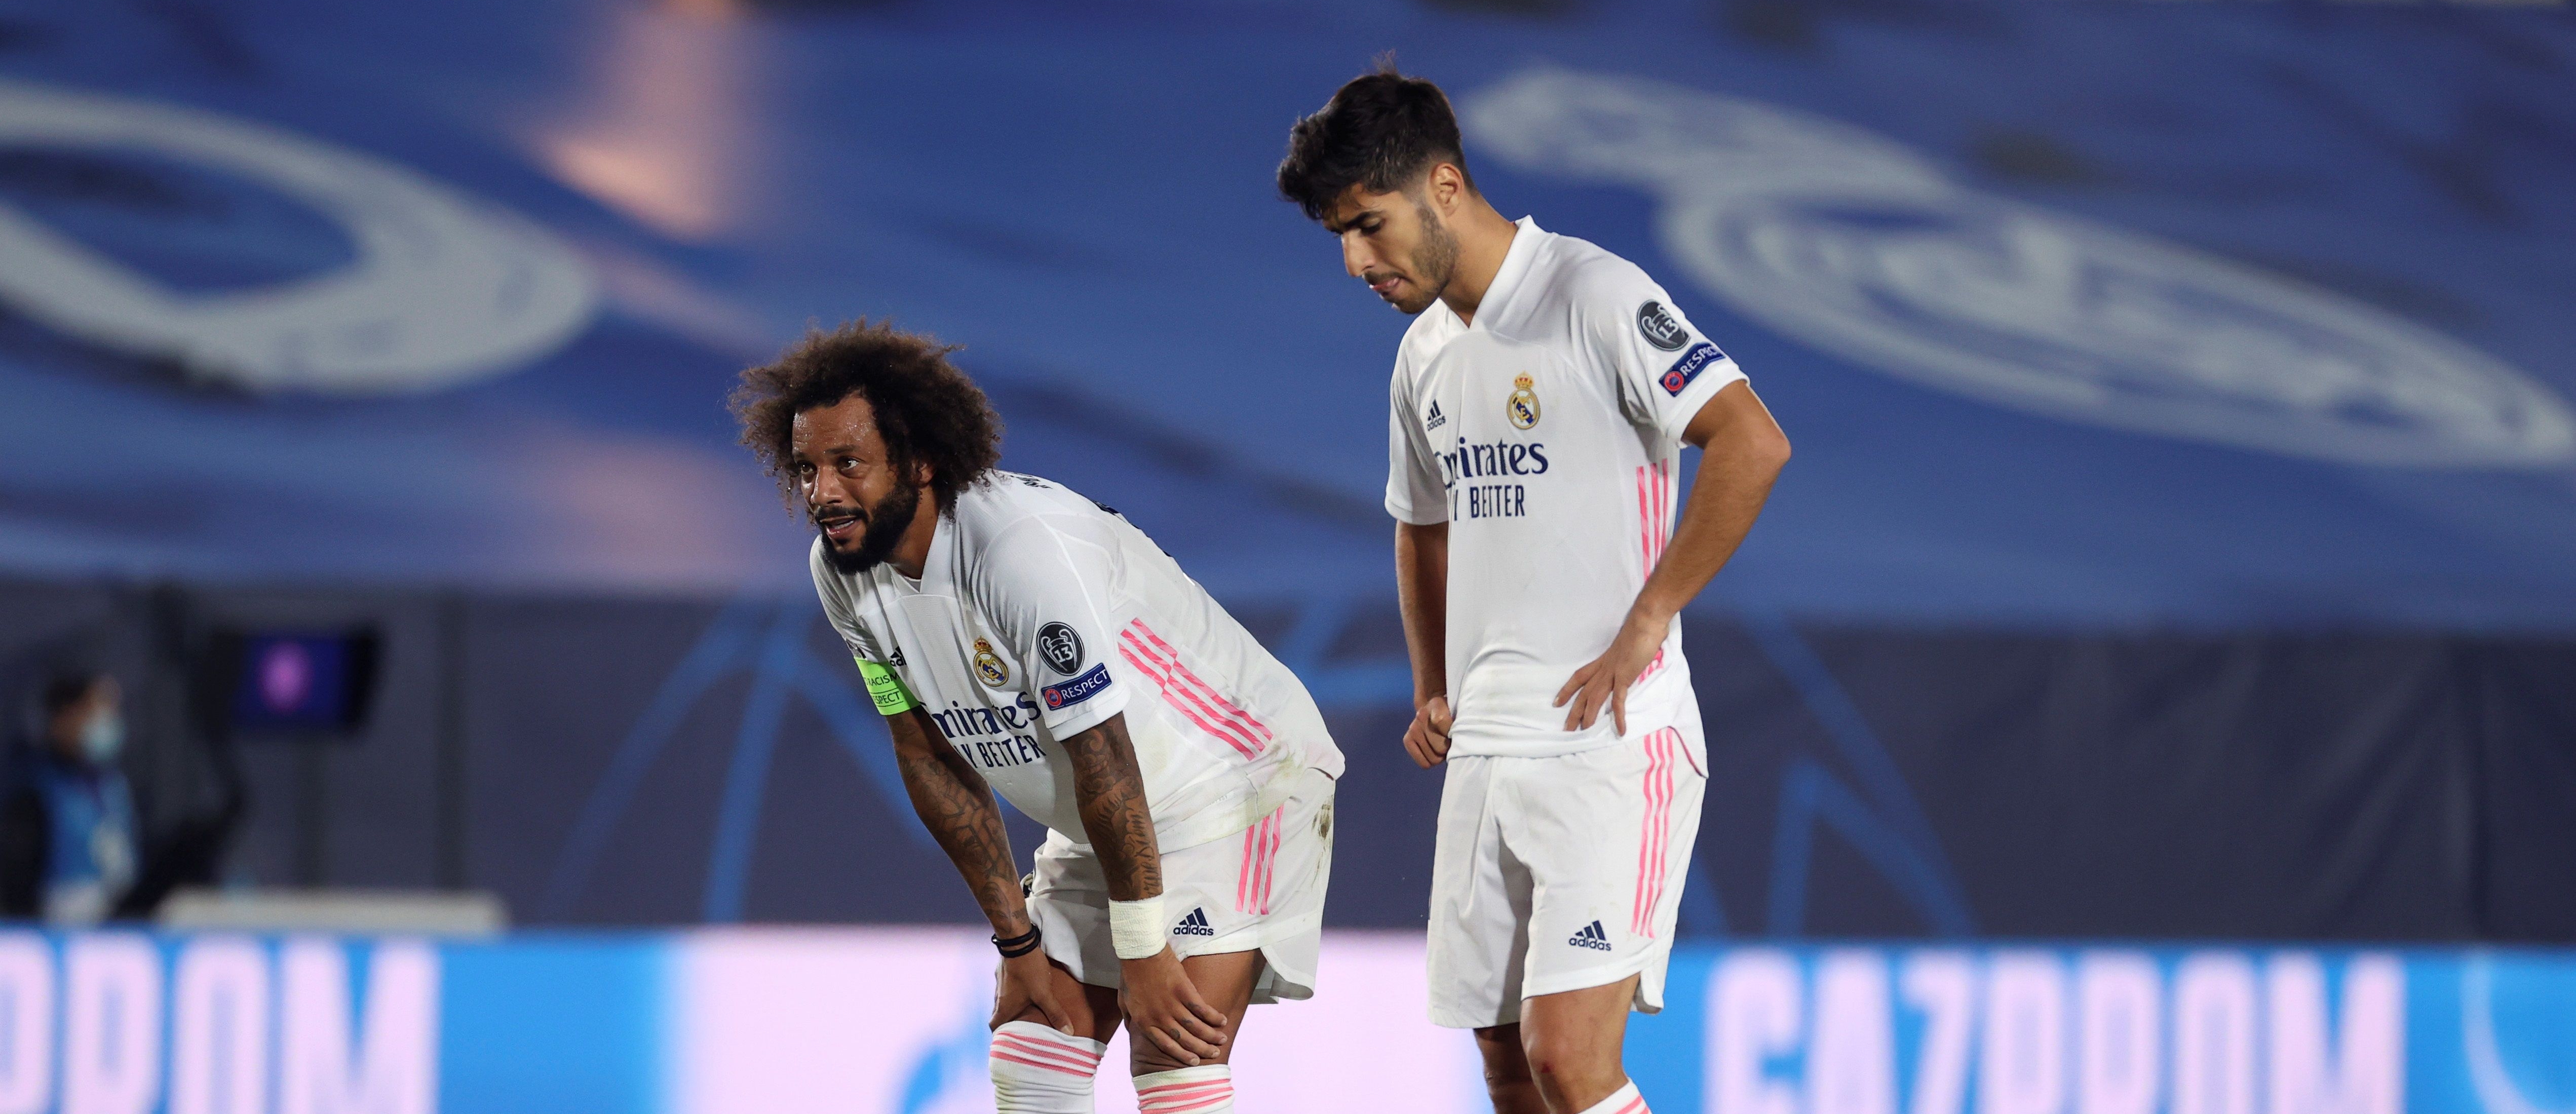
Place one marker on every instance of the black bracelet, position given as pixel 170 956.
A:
pixel 1019 945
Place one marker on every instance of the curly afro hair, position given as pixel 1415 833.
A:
pixel 927 411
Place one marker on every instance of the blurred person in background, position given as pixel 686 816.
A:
pixel 67 828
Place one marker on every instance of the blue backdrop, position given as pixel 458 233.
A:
pixel 2179 540
pixel 2078 314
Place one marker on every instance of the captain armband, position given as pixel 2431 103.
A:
pixel 886 689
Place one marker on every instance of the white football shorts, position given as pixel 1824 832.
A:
pixel 1263 888
pixel 1557 874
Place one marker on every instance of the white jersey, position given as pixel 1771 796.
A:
pixel 1040 614
pixel 1547 435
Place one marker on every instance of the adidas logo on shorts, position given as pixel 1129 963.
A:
pixel 1196 925
pixel 1591 937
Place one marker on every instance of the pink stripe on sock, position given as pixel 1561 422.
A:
pixel 1175 1092
pixel 998 1054
pixel 1171 1100
pixel 1087 1062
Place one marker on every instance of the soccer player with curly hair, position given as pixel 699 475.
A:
pixel 1021 639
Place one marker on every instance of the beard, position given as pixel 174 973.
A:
pixel 1434 263
pixel 886 523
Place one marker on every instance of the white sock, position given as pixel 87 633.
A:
pixel 1625 1100
pixel 1207 1090
pixel 1038 1070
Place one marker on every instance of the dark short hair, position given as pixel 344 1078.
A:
pixel 66 688
pixel 927 411
pixel 1381 131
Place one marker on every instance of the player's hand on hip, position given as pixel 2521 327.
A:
pixel 1161 1003
pixel 1605 681
pixel 1027 983
pixel 1427 740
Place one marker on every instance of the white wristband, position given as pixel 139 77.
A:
pixel 1136 928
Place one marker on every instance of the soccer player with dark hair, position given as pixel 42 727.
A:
pixel 1022 639
pixel 1540 403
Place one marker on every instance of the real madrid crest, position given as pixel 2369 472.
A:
pixel 1522 407
pixel 988 665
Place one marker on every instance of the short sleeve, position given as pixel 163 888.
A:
pixel 1416 490
pixel 842 609
pixel 886 689
pixel 1666 369
pixel 1044 592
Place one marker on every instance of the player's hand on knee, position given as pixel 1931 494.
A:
pixel 1427 739
pixel 1164 1008
pixel 1028 983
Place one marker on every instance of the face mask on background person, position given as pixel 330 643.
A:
pixel 103 738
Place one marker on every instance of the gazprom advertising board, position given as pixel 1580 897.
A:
pixel 892 1020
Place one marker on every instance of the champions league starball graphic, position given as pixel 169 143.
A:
pixel 442 289
pixel 1849 242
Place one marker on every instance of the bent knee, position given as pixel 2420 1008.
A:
pixel 1501 1047
pixel 1144 1057
pixel 1572 1057
pixel 1140 1062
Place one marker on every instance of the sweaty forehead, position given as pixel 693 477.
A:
pixel 847 424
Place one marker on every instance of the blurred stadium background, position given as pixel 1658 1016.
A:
pixel 2153 687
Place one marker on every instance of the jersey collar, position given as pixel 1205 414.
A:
pixel 939 569
pixel 1507 278
pixel 936 566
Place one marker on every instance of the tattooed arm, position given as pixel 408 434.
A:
pixel 1162 1005
pixel 1111 794
pixel 959 809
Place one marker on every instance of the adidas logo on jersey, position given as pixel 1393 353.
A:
pixel 1196 925
pixel 1435 419
pixel 1591 937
